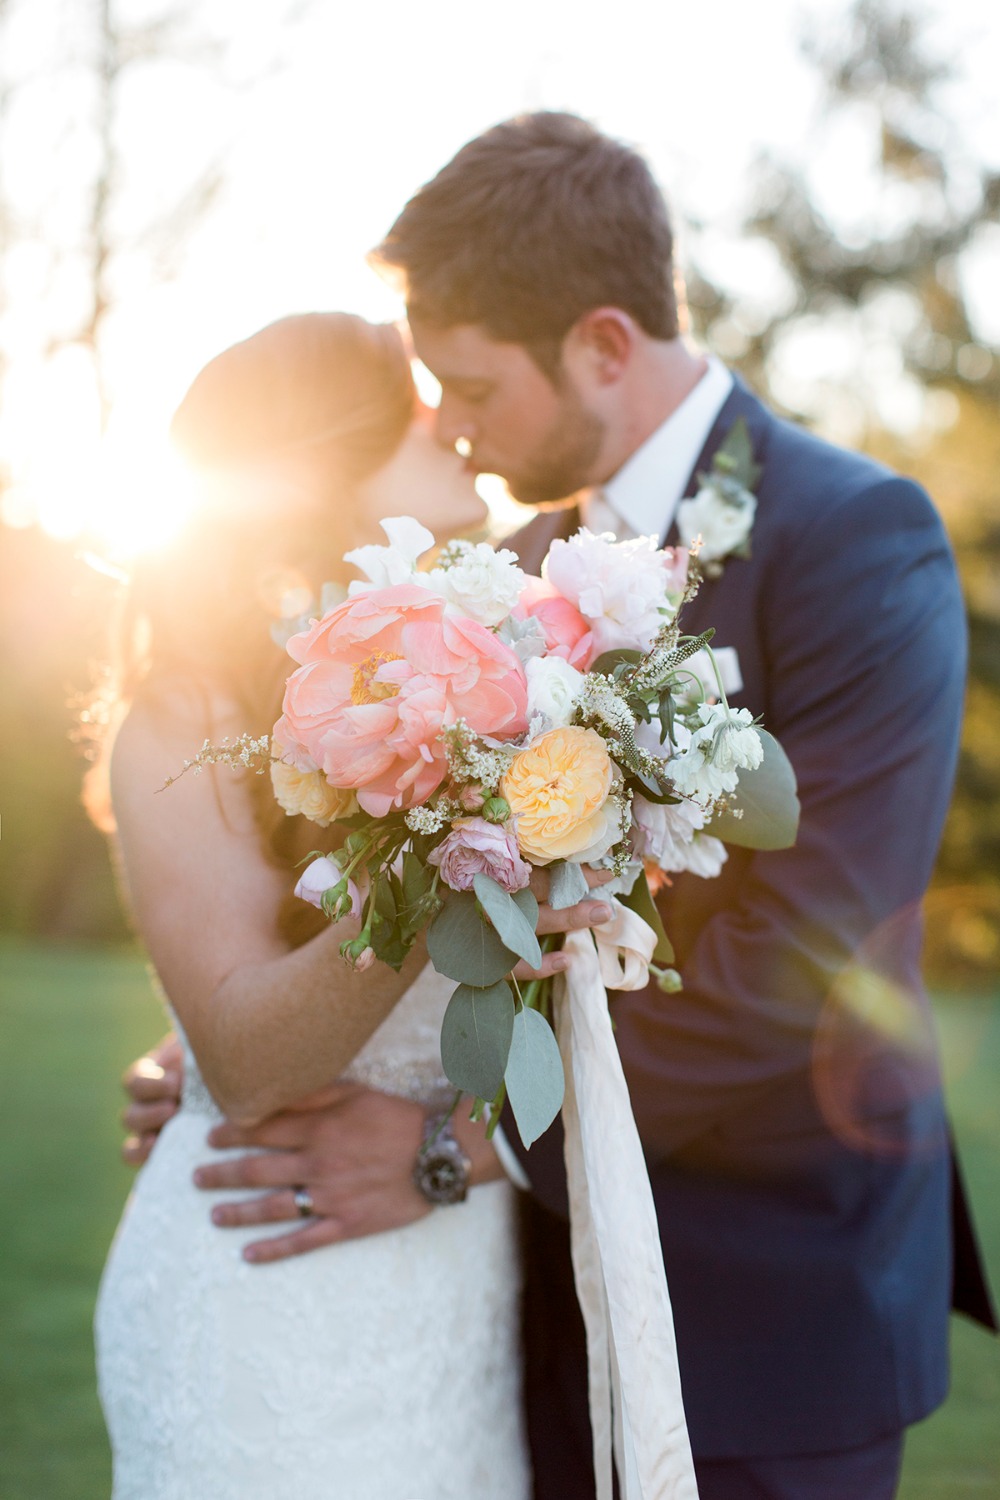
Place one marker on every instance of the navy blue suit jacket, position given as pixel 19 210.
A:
pixel 789 1100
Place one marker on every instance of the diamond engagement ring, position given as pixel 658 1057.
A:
pixel 304 1203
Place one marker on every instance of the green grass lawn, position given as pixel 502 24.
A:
pixel 69 1022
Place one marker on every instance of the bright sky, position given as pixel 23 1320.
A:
pixel 324 125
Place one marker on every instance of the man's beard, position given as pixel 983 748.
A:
pixel 566 459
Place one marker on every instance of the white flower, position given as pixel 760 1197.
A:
pixel 396 563
pixel 706 856
pixel 625 590
pixel 484 584
pixel 670 835
pixel 725 744
pixel 721 514
pixel 553 690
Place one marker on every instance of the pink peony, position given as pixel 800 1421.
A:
pixel 567 633
pixel 624 590
pixel 381 675
pixel 474 846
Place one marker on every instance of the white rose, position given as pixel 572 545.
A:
pixel 553 690
pixel 483 583
pixel 722 522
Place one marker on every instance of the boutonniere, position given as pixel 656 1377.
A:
pixel 718 521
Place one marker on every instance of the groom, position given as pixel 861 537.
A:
pixel 812 1222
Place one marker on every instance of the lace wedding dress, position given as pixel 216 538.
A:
pixel 386 1368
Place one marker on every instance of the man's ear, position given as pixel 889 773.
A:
pixel 603 343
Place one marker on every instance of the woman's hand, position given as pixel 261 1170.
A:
pixel 587 913
pixel 153 1085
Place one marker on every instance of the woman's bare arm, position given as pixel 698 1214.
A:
pixel 268 1023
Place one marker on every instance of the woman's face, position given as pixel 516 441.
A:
pixel 423 480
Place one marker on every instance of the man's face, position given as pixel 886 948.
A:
pixel 543 439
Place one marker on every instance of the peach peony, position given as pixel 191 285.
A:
pixel 559 792
pixel 380 676
pixel 309 793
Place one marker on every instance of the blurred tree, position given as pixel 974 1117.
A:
pixel 873 333
pixel 90 210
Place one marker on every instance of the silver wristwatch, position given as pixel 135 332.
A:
pixel 441 1170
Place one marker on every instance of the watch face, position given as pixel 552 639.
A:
pixel 442 1177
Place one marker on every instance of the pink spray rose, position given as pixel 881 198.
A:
pixel 380 676
pixel 474 846
pixel 567 633
pixel 321 876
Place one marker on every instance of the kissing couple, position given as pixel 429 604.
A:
pixel 408 1329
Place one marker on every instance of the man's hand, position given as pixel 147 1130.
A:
pixel 153 1085
pixel 353 1150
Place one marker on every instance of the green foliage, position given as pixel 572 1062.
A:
pixel 567 885
pixel 463 946
pixel 534 1076
pixel 514 917
pixel 641 902
pixel 764 811
pixel 476 1036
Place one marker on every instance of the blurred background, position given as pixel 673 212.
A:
pixel 172 177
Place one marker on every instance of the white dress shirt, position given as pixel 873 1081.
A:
pixel 642 498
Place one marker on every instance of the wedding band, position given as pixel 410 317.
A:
pixel 304 1203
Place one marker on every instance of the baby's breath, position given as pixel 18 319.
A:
pixel 426 819
pixel 245 753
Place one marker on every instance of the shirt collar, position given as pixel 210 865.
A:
pixel 648 487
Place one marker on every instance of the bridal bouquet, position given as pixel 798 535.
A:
pixel 464 723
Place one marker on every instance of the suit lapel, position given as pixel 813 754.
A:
pixel 741 402
pixel 533 540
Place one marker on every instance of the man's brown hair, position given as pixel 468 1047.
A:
pixel 531 225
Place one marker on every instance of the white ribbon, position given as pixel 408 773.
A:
pixel 636 1409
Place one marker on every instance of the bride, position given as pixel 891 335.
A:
pixel 385 1368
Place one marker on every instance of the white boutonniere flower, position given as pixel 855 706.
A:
pixel 718 521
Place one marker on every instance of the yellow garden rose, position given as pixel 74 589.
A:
pixel 309 793
pixel 558 789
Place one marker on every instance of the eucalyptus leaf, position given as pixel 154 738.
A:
pixel 608 660
pixel 463 947
pixel 640 900
pixel 738 448
pixel 476 1036
pixel 768 803
pixel 527 906
pixel 534 1076
pixel 567 885
pixel 514 929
